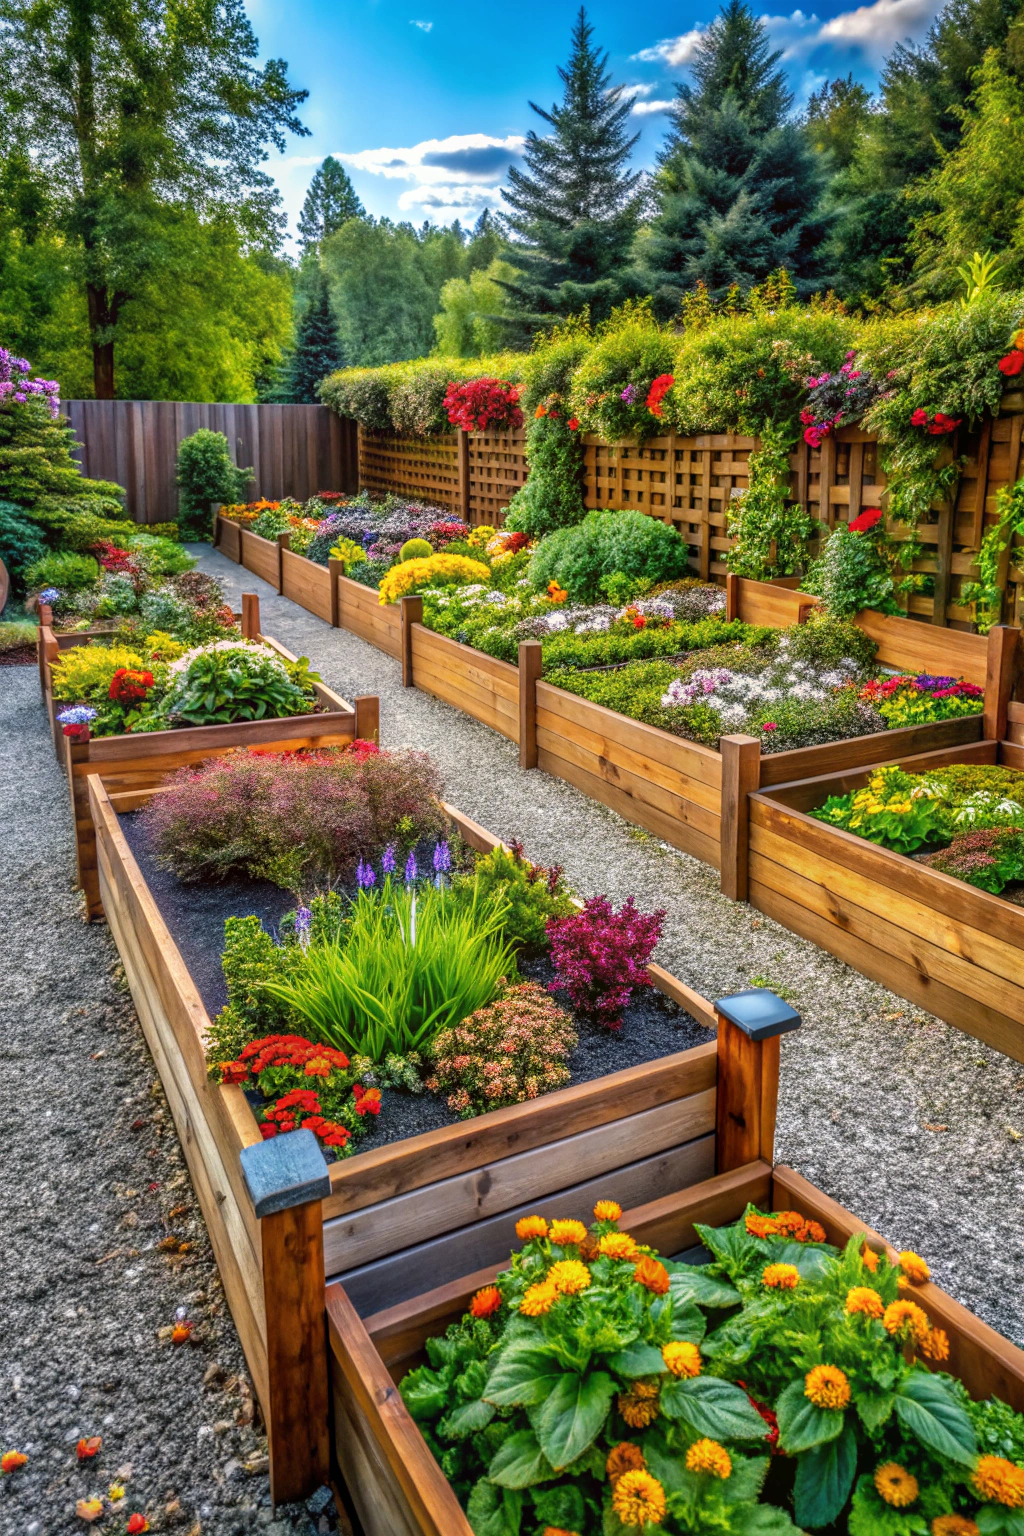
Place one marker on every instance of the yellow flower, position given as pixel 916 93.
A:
pixel 827 1387
pixel 954 1525
pixel 639 1499
pixel 607 1210
pixel 569 1276
pixel 999 1480
pixel 538 1300
pixel 861 1298
pixel 709 1456
pixel 905 1319
pixel 639 1406
pixel 682 1359
pixel 914 1267
pixel 565 1233
pixel 115 1492
pixel 783 1277
pixel 617 1245
pixel 531 1226
pixel 412 574
pixel 936 1345
pixel 896 1485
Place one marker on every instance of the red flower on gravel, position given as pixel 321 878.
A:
pixel 136 1525
pixel 87 1447
pixel 11 1461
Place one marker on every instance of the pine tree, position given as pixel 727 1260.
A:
pixel 331 200
pixel 738 184
pixel 574 209
pixel 317 348
pixel 835 117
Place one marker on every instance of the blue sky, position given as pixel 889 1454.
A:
pixel 426 103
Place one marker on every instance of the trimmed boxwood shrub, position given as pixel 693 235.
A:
pixel 606 544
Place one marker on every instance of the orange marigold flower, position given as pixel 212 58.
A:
pixel 651 1274
pixel 538 1300
pixel 815 1232
pixel 565 1233
pixel 10 1461
pixel 639 1499
pixel 181 1333
pixel 528 1227
pixel 761 1226
pixel 896 1485
pixel 607 1210
pixel 486 1301
pixel 569 1276
pixel 639 1406
pixel 936 1345
pixel 709 1456
pixel 625 1457
pixel 682 1359
pixel 88 1447
pixel 870 1259
pixel 782 1277
pixel 914 1267
pixel 905 1320
pixel 617 1245
pixel 861 1298
pixel 999 1480
pixel 954 1525
pixel 827 1386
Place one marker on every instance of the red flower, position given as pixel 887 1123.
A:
pixel 130 685
pixel 479 405
pixel 918 417
pixel 806 416
pixel 267 1130
pixel 1011 364
pixel 367 1100
pixel 769 725
pixel 573 424
pixel 867 520
pixel 136 1525
pixel 233 1071
pixel 657 392
pixel 87 1448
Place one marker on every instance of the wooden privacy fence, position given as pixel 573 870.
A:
pixel 294 450
pixel 690 482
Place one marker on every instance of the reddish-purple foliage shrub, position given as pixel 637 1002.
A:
pixel 601 955
pixel 989 858
pixel 301 819
pixel 510 1051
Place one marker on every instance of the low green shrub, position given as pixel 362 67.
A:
pixel 21 543
pixel 17 635
pixel 530 893
pixel 64 570
pixel 611 384
pixel 231 680
pixel 512 1050
pixel 605 544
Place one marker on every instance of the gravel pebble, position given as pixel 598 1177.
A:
pixel 911 1124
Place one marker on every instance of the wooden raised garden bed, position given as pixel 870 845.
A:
pixel 397 1487
pixel 941 943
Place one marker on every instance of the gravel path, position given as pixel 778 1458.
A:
pixel 102 1235
pixel 911 1124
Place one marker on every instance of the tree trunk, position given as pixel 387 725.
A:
pixel 102 318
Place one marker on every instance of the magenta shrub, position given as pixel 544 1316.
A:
pixel 601 955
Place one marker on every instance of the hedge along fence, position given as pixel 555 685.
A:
pixel 689 482
pixel 435 1205
pixel 130 762
pixel 397 1486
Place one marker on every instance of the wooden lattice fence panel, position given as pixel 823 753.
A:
pixel 495 468
pixel 422 468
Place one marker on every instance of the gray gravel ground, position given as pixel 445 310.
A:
pixel 912 1125
pixel 102 1235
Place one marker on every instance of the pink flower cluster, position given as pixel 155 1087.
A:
pixel 16 388
pixel 510 1051
pixel 600 956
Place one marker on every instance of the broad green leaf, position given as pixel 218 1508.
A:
pixel 874 1408
pixel 801 1424
pixel 713 1408
pixel 637 1359
pixel 811 1262
pixel 824 1477
pixel 1000 1522
pixel 689 1284
pixel 732 1246
pixel 689 1325
pixel 520 1462
pixel 466 1419
pixel 560 1507
pixel 746 1479
pixel 425 1393
pixel 764 1520
pixel 520 1377
pixel 494 1511
pixel 925 1406
pixel 572 1415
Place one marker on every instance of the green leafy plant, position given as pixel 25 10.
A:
pixel 232 680
pixel 513 1050
pixel 530 893
pixel 62 569
pixel 611 384
pixel 21 543
pixel 411 962
pixel 206 475
pixel 770 531
pixel 852 571
pixel 604 543
pixel 989 858
pixel 988 592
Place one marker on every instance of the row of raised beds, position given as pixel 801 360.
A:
pixel 697 795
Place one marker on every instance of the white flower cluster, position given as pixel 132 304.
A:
pixel 250 647
pixel 735 696
pixel 988 804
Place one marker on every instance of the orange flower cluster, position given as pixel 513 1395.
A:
pixel 682 1359
pixel 1000 1481
pixel 782 1277
pixel 652 1275
pixel 639 1500
pixel 568 1276
pixel 538 1300
pixel 639 1406
pixel 617 1245
pixel 914 1268
pixel 486 1301
pixel 861 1298
pixel 785 1224
pixel 896 1485
pixel 625 1457
pixel 607 1210
pixel 528 1227
pixel 709 1456
pixel 827 1387
pixel 567 1233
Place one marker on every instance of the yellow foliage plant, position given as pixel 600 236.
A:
pixel 438 571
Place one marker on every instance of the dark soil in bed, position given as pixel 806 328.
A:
pixel 652 1026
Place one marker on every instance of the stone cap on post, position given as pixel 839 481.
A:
pixel 760 1014
pixel 286 1171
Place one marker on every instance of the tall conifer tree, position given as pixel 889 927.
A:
pixel 575 206
pixel 738 184
pixel 317 348
pixel 331 200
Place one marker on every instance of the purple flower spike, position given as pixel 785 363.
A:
pixel 387 863
pixel 410 869
pixel 442 858
pixel 365 875
pixel 303 923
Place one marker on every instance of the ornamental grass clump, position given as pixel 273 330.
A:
pixel 303 820
pixel 596 1387
pixel 513 1050
pixel 600 956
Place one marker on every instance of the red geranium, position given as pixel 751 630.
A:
pixel 367 1100
pixel 1012 363
pixel 657 392
pixel 867 520
pixel 573 424
pixel 129 685
pixel 918 417
pixel 482 405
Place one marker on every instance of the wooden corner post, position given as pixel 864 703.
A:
pixel 284 541
pixel 287 1180
pixel 732 592
pixel 250 616
pixel 530 660
pixel 749 1026
pixel 367 726
pixel 412 613
pixel 741 775
pixel 1002 660
pixel 336 568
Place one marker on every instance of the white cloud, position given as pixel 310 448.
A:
pixel 674 51
pixel 424 26
pixel 878 28
pixel 462 159
pixel 646 108
pixel 450 201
